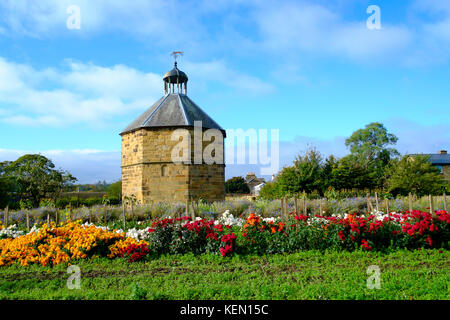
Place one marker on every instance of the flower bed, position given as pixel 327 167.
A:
pixel 256 235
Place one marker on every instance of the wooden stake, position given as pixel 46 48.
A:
pixel 132 211
pixel 281 207
pixel 305 210
pixel 56 217
pixel 27 213
pixel 187 208
pixel 387 206
pixel 445 202
pixel 286 209
pixel 5 216
pixel 376 202
pixel 70 211
pixel 430 197
pixel 193 212
pixel 320 207
pixel 48 219
pixel 123 213
pixel 295 205
pixel 410 202
pixel 104 213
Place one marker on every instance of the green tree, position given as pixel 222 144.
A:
pixel 270 191
pixel 7 186
pixel 236 185
pixel 371 143
pixel 304 175
pixel 115 190
pixel 37 178
pixel 348 173
pixel 370 148
pixel 414 174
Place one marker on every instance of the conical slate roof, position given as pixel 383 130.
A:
pixel 173 110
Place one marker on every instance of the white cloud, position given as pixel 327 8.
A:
pixel 79 93
pixel 285 29
pixel 87 93
pixel 294 28
pixel 141 18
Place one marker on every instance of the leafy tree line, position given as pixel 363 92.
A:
pixel 372 164
pixel 33 178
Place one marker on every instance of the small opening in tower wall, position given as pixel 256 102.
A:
pixel 164 170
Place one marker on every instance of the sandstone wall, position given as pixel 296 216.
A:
pixel 149 173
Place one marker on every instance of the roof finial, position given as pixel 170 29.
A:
pixel 175 55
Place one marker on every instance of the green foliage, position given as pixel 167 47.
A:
pixel 370 144
pixel 303 275
pixel 115 190
pixel 237 185
pixel 138 293
pixel 37 178
pixel 270 191
pixel 304 175
pixel 348 173
pixel 364 168
pixel 7 186
pixel 415 174
pixel 88 202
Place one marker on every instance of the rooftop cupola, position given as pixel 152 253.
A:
pixel 175 81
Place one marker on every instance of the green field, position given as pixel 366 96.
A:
pixel 407 275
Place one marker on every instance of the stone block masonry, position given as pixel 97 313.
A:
pixel 149 174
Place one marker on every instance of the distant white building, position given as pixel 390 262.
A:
pixel 257 188
pixel 253 181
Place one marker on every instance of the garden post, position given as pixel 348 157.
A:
pixel 295 205
pixel 193 211
pixel 5 216
pixel 410 201
pixel 286 207
pixel 27 213
pixel 48 219
pixel 123 213
pixel 56 216
pixel 320 207
pixel 187 208
pixel 70 211
pixel 445 202
pixel 305 211
pixel 430 197
pixel 376 201
pixel 281 207
pixel 132 210
pixel 104 213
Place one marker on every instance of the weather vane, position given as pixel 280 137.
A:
pixel 176 54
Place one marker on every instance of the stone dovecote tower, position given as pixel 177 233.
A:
pixel 148 169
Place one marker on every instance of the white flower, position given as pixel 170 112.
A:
pixel 10 232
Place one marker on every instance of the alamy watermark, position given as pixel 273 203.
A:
pixel 207 146
pixel 374 280
pixel 374 21
pixel 74 19
pixel 74 281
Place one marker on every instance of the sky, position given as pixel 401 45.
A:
pixel 315 70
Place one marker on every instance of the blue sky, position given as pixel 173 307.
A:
pixel 311 69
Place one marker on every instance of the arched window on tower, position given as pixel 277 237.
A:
pixel 164 170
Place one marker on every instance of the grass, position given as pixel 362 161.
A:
pixel 305 275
